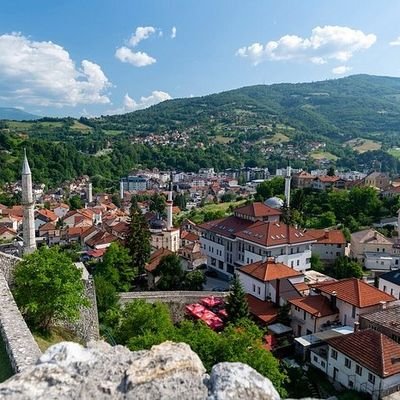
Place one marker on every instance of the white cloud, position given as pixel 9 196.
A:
pixel 138 59
pixel 129 104
pixel 341 70
pixel 325 43
pixel 141 33
pixel 395 42
pixel 43 73
pixel 173 32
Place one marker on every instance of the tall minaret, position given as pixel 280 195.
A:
pixel 121 189
pixel 90 192
pixel 288 178
pixel 169 206
pixel 28 205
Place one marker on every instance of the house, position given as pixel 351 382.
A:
pixel 153 263
pixel 312 314
pixel 61 209
pixel 365 361
pixel 353 297
pixel 325 182
pixel 50 232
pixel 386 321
pixel 79 218
pixel 253 233
pixel 367 243
pixel 7 234
pixel 389 282
pixel 329 245
pixel 44 216
pixel 303 180
pixel 191 256
pixel 270 281
pixel 377 180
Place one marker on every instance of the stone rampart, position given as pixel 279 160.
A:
pixel 7 266
pixel 21 347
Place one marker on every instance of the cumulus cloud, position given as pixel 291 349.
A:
pixel 173 32
pixel 43 73
pixel 129 104
pixel 395 42
pixel 324 44
pixel 138 58
pixel 141 33
pixel 341 70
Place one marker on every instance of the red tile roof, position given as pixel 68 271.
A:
pixel 257 210
pixel 334 236
pixel 47 214
pixel 226 226
pixel 189 236
pixel 269 270
pixel 265 311
pixel 317 305
pixel 273 234
pixel 156 257
pixel 371 349
pixel 355 292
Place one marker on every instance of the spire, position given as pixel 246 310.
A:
pixel 25 166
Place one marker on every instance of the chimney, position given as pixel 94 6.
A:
pixel 356 326
pixel 383 305
pixel 333 299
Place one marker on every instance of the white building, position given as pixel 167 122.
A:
pixel 365 361
pixel 390 283
pixel 254 233
pixel 330 244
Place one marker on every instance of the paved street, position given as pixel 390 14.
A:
pixel 215 283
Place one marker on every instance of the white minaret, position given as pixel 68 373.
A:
pixel 398 224
pixel 28 205
pixel 169 207
pixel 90 193
pixel 121 189
pixel 288 178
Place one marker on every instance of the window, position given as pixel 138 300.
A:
pixel 384 288
pixel 315 358
pixel 391 292
pixel 358 370
pixel 347 363
pixel 323 364
pixel 259 290
pixel 334 354
pixel 304 315
pixel 254 287
pixel 353 312
pixel 371 378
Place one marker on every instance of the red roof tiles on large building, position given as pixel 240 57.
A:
pixel 269 270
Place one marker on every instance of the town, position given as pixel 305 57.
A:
pixel 323 297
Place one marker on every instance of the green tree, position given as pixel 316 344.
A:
pixel 170 272
pixel 157 203
pixel 75 202
pixel 140 318
pixel 316 263
pixel 138 240
pixel 344 267
pixel 117 267
pixel 106 295
pixel 194 280
pixel 237 307
pixel 48 288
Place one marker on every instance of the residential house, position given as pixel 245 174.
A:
pixel 79 218
pixel 326 182
pixel 7 234
pixel 153 263
pixel 253 233
pixel 44 216
pixel 329 245
pixel 302 180
pixel 191 256
pixel 312 314
pixel 386 321
pixel 50 232
pixel 365 361
pixel 389 282
pixel 353 297
pixel 377 179
pixel 61 209
pixel 368 246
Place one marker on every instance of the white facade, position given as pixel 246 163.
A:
pixel 389 287
pixel 381 261
pixel 329 252
pixel 304 323
pixel 167 239
pixel 354 376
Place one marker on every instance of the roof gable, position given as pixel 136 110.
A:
pixel 269 270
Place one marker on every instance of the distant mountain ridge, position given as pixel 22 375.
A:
pixel 15 114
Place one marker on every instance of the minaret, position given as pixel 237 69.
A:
pixel 28 206
pixel 90 192
pixel 287 185
pixel 169 206
pixel 121 189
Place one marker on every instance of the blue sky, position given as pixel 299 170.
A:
pixel 88 57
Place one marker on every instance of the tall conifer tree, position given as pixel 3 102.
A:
pixel 237 307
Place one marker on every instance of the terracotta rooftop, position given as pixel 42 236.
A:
pixel 257 209
pixel 265 311
pixel 47 214
pixel 355 292
pixel 370 236
pixel 269 270
pixel 156 257
pixel 371 349
pixel 334 236
pixel 316 305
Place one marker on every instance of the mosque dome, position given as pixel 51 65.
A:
pixel 274 202
pixel 157 224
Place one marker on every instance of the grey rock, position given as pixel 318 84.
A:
pixel 230 381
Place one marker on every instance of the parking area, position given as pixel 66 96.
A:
pixel 215 284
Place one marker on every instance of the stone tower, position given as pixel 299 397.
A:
pixel 28 205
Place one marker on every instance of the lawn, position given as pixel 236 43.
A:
pixel 362 145
pixel 395 152
pixel 220 206
pixel 56 335
pixel 319 155
pixel 223 139
pixel 278 138
pixel 78 126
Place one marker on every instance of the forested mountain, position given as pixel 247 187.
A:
pixel 351 122
pixel 16 114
